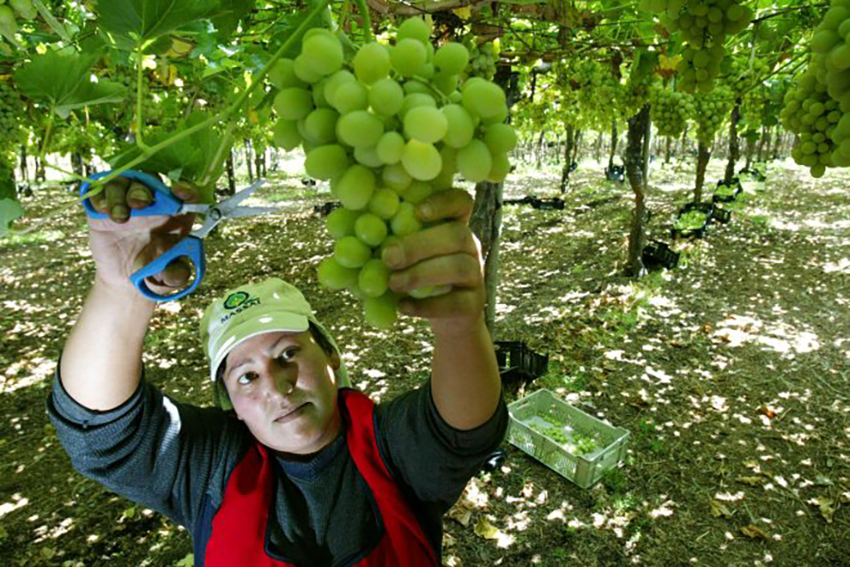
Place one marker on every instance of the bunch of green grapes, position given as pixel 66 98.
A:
pixel 670 110
pixel 704 26
pixel 386 138
pixel 11 11
pixel 10 115
pixel 710 111
pixel 817 108
pixel 482 58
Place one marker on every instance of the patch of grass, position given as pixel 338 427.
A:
pixel 40 237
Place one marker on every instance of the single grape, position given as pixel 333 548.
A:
pixel 334 275
pixel 341 222
pixel 323 53
pixel 474 161
pixel 355 187
pixel 415 28
pixel 374 278
pixel 326 162
pixel 293 103
pixel 408 56
pixel 390 147
pixel 421 161
pixel 380 312
pixel 350 252
pixel 425 124
pixel 405 222
pixel 349 97
pixel 386 97
pixel 451 59
pixel 286 135
pixel 372 63
pixel 370 229
pixel 282 75
pixel 396 177
pixel 384 203
pixel 359 128
pixel 460 126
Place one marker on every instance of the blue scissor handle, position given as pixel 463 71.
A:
pixel 164 203
pixel 191 247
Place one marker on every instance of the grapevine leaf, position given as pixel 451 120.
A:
pixel 10 210
pixel 64 81
pixel 150 19
pixel 231 12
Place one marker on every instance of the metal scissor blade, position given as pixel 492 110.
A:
pixel 233 202
pixel 251 211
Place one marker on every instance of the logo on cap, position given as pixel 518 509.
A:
pixel 236 300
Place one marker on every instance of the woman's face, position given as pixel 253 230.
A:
pixel 282 386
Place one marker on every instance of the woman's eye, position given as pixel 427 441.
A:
pixel 287 354
pixel 246 378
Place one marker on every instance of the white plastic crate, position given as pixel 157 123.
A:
pixel 567 455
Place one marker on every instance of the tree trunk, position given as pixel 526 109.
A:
pixel 231 177
pixel 635 160
pixel 539 152
pixel 568 152
pixel 703 157
pixel 597 149
pixel 24 170
pixel 486 224
pixel 577 140
pixel 486 218
pixel 765 134
pixel 258 163
pixel 776 143
pixel 613 145
pixel 748 153
pixel 734 145
pixel 683 150
pixel 40 173
pixel 645 152
pixel 248 160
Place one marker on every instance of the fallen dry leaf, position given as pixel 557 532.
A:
pixel 461 515
pixel 767 411
pixel 719 510
pixel 754 531
pixel 751 480
pixel 486 530
pixel 826 506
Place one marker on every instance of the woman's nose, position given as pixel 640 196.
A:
pixel 282 378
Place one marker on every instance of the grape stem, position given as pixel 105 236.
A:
pixel 139 92
pixel 422 81
pixel 367 20
pixel 97 185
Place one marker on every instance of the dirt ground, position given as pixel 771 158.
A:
pixel 730 373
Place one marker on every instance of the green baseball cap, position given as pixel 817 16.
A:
pixel 253 309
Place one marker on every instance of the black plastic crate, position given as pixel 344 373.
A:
pixel 516 360
pixel 722 216
pixel 736 183
pixel 548 204
pixel 616 173
pixel 327 208
pixel 754 172
pixel 707 208
pixel 527 200
pixel 657 255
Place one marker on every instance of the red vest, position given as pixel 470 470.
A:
pixel 239 526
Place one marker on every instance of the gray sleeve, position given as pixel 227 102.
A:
pixel 433 458
pixel 157 452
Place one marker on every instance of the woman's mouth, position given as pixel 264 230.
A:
pixel 291 415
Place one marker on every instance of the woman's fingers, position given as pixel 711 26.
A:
pixel 451 204
pixel 116 200
pixel 139 196
pixel 447 238
pixel 456 270
pixel 452 305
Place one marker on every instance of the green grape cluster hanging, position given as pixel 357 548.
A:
pixel 670 110
pixel 817 108
pixel 704 26
pixel 388 129
pixel 710 111
pixel 10 115
pixel 482 58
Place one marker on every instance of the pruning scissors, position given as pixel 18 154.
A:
pixel 192 246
